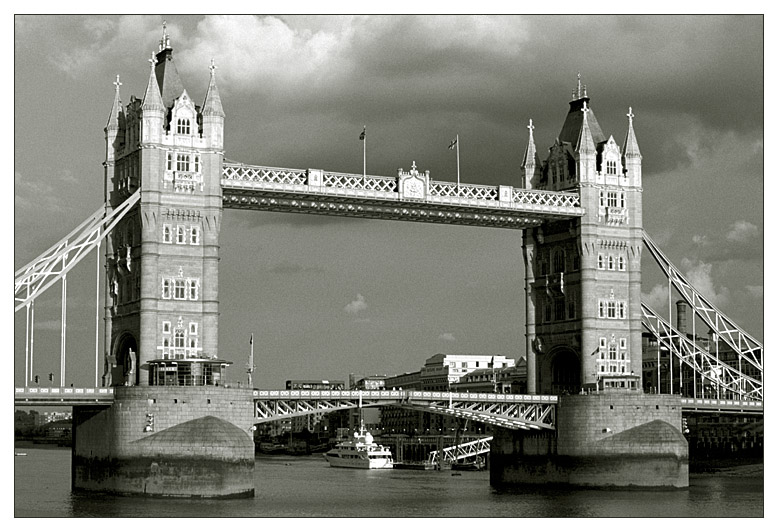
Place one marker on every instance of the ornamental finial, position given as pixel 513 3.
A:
pixel 117 83
pixel 413 166
pixel 153 60
pixel 630 115
pixel 164 42
pixel 585 108
pixel 530 126
pixel 213 67
pixel 579 84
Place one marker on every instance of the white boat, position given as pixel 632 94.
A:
pixel 361 452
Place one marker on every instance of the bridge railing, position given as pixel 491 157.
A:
pixel 404 394
pixel 321 182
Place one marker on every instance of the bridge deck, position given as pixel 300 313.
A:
pixel 411 197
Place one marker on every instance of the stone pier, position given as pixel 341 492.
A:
pixel 166 442
pixel 601 440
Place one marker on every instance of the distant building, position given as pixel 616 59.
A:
pixel 441 371
pixel 510 379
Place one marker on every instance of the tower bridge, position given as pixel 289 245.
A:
pixel 581 220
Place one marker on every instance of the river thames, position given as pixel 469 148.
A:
pixel 308 487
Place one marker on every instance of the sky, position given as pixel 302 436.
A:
pixel 325 296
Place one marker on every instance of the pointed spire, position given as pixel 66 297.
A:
pixel 631 148
pixel 152 99
pixel 585 144
pixel 529 154
pixel 116 110
pixel 212 106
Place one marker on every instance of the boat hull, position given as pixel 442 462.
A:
pixel 351 463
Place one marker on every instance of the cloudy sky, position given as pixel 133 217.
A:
pixel 326 296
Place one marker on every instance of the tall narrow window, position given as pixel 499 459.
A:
pixel 571 308
pixel 165 288
pixel 602 198
pixel 179 289
pixel 167 234
pixel 194 236
pixel 622 202
pixel 170 160
pixel 602 309
pixel 196 163
pixel 600 262
pixel 165 327
pixel 559 261
pixel 622 264
pixel 192 289
pixel 559 309
pixel 181 234
pixel 610 262
pixel 622 310
pixel 192 328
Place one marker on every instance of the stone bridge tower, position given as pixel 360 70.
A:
pixel 162 260
pixel 173 429
pixel 583 276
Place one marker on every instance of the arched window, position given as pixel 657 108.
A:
pixel 600 262
pixel 182 126
pixel 622 265
pixel 610 262
pixel 559 261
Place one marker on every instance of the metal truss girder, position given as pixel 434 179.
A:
pixel 267 410
pixel 743 343
pixel 38 275
pixel 689 353
pixel 463 450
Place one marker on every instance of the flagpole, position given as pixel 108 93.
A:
pixel 364 152
pixel 457 164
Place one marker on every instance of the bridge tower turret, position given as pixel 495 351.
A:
pixel 583 276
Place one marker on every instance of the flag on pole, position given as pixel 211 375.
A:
pixel 362 135
pixel 453 144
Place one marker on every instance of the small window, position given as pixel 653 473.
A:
pixel 193 328
pixel 622 264
pixel 611 309
pixel 622 343
pixel 602 198
pixel 610 167
pixel 181 234
pixel 194 235
pixel 169 160
pixel 602 309
pixel 622 202
pixel 611 265
pixel 600 262
pixel 559 309
pixel 192 289
pixel 179 338
pixel 165 327
pixel 165 288
pixel 197 163
pixel 612 352
pixel 167 234
pixel 603 342
pixel 571 309
pixel 622 310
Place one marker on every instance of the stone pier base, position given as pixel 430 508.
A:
pixel 166 442
pixel 606 440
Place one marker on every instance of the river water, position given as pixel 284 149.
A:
pixel 308 487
